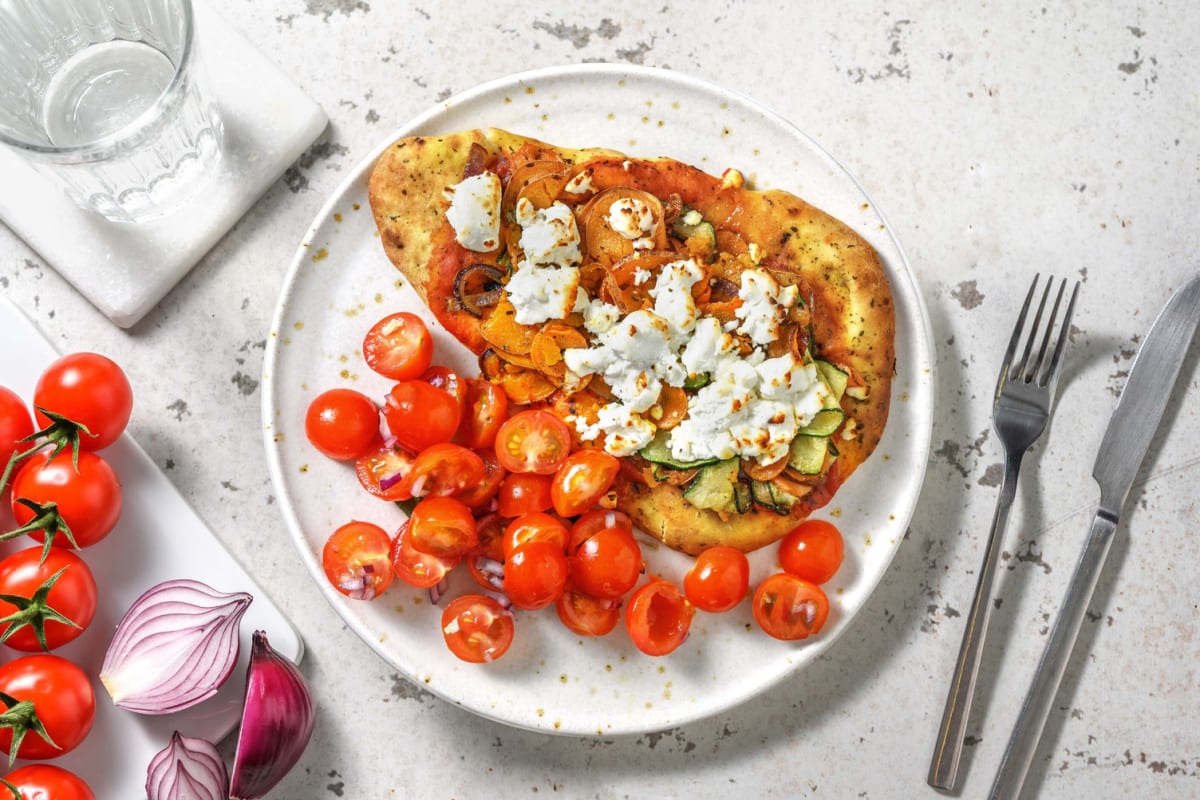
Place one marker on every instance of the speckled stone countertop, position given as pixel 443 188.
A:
pixel 1022 138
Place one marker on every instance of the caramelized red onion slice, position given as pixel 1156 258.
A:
pixel 175 646
pixel 477 287
pixel 277 722
pixel 187 769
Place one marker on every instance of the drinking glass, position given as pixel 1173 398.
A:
pixel 104 97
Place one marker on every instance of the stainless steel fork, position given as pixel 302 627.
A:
pixel 1024 398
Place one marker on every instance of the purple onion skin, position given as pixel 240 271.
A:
pixel 277 722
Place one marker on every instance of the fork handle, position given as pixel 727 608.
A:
pixel 943 769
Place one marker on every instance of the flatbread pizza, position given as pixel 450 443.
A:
pixel 733 347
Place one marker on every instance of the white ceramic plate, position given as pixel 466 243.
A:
pixel 341 282
pixel 158 538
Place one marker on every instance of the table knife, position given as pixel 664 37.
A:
pixel 1130 431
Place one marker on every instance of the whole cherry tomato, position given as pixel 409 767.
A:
pixel 444 469
pixel 342 423
pixel 606 564
pixel 62 698
pixel 658 617
pixel 718 580
pixel 90 390
pixel 419 414
pixel 535 527
pixel 449 382
pixel 444 527
pixel 812 551
pixel 477 628
pixel 586 615
pixel 415 568
pixel 524 493
pixel 15 424
pixel 47 593
pixel 535 574
pixel 788 607
pixel 87 498
pixel 533 441
pixel 48 782
pixel 355 560
pixel 398 346
pixel 584 478
pixel 594 521
pixel 382 470
pixel 486 411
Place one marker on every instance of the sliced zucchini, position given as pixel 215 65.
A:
pixel 741 497
pixel 760 492
pixel 835 377
pixel 658 451
pixel 783 500
pixel 808 454
pixel 713 487
pixel 824 423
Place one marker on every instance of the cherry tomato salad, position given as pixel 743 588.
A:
pixel 505 492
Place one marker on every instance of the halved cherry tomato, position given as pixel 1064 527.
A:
pixel 382 472
pixel 72 594
pixel 479 496
pixel 448 381
pixel 486 561
pixel 90 390
pixel 586 615
pixel 477 628
pixel 486 410
pixel 444 527
pixel 15 424
pixel 812 551
pixel 583 479
pixel 535 574
pixel 788 607
pixel 533 441
pixel 62 697
pixel 718 580
pixel 48 782
pixel 534 527
pixel 86 496
pixel 524 493
pixel 595 521
pixel 398 346
pixel 444 469
pixel 355 560
pixel 607 563
pixel 419 414
pixel 415 568
pixel 342 423
pixel 658 617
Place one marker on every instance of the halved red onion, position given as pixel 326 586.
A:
pixel 187 769
pixel 174 647
pixel 277 722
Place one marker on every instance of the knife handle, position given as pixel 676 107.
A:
pixel 1023 743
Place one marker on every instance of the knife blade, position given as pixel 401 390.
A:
pixel 1126 440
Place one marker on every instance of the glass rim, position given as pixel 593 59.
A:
pixel 132 133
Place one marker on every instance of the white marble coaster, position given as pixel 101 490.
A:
pixel 124 269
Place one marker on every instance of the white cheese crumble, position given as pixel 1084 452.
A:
pixel 625 432
pixel 542 293
pixel 764 303
pixel 672 294
pixel 474 212
pixel 548 235
pixel 631 217
pixel 581 183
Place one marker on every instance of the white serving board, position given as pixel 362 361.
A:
pixel 159 537
pixel 124 269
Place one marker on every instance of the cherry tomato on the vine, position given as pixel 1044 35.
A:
pixel 62 697
pixel 398 346
pixel 586 615
pixel 48 782
pixel 444 469
pixel 718 580
pixel 486 410
pixel 812 551
pixel 382 471
pixel 477 628
pixel 524 493
pixel 355 560
pixel 342 424
pixel 788 607
pixel 606 564
pixel 419 414
pixel 533 441
pixel 658 617
pixel 535 574
pixel 72 594
pixel 90 390
pixel 415 568
pixel 15 424
pixel 584 478
pixel 444 527
pixel 87 498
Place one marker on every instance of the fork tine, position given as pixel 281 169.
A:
pixel 1051 378
pixel 1006 364
pixel 1025 373
pixel 1038 373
